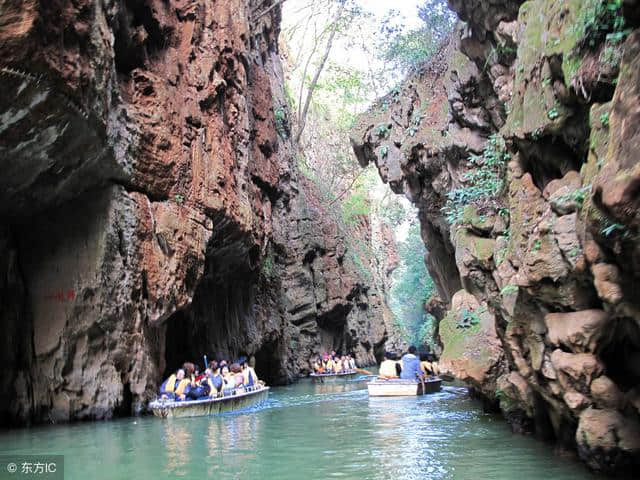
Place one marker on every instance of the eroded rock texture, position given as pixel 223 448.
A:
pixel 541 280
pixel 151 211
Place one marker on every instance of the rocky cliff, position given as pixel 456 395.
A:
pixel 518 143
pixel 151 210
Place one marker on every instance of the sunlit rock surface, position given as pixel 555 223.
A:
pixel 152 212
pixel 553 258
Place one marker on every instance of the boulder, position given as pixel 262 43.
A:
pixel 578 331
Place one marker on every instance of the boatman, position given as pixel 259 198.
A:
pixel 411 365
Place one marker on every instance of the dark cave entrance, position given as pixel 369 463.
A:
pixel 268 363
pixel 223 319
pixel 332 327
pixel 621 354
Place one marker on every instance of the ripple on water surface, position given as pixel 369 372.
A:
pixel 306 432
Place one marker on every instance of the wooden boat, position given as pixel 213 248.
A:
pixel 332 377
pixel 210 406
pixel 397 387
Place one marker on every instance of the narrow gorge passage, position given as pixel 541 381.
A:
pixel 278 181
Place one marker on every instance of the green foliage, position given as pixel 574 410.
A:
pixel 269 264
pixel 469 318
pixel 509 290
pixel 484 182
pixel 392 211
pixel 553 113
pixel 578 196
pixel 600 21
pixel 604 119
pixel 411 287
pixel 537 245
pixel 383 130
pixel 609 228
pixel 179 199
pixel 407 49
pixel 384 151
pixel 282 126
pixel 356 205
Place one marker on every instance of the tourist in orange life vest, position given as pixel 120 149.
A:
pixel 175 387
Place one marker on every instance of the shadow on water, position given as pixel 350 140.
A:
pixel 307 431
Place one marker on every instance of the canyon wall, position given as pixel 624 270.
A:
pixel 152 211
pixel 518 142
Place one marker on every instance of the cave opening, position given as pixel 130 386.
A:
pixel 549 158
pixel 138 36
pixel 223 319
pixel 268 363
pixel 621 353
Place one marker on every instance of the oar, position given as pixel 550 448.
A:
pixel 363 371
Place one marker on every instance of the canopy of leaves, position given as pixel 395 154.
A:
pixel 412 287
pixel 406 49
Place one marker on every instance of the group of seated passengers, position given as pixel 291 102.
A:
pixel 409 367
pixel 219 379
pixel 332 363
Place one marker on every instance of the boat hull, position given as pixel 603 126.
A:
pixel 209 406
pixel 402 388
pixel 332 377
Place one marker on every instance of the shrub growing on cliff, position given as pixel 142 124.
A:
pixel 600 21
pixel 483 183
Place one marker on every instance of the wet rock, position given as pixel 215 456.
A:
pixel 607 440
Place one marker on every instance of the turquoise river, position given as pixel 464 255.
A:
pixel 307 432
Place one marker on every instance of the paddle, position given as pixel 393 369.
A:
pixel 363 371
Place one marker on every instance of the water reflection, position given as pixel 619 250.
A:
pixel 177 445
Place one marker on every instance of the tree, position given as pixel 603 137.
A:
pixel 406 49
pixel 411 287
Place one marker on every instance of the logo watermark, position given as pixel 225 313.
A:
pixel 50 467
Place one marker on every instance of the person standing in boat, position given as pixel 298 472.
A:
pixel 411 365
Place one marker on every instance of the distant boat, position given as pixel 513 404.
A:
pixel 210 406
pixel 397 387
pixel 333 377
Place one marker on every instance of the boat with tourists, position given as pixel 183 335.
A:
pixel 410 376
pixel 236 400
pixel 399 387
pixel 333 368
pixel 333 377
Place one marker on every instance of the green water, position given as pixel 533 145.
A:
pixel 306 432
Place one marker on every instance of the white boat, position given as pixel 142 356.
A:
pixel 240 398
pixel 397 387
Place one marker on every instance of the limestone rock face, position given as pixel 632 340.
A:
pixel 552 252
pixel 152 211
pixel 472 350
